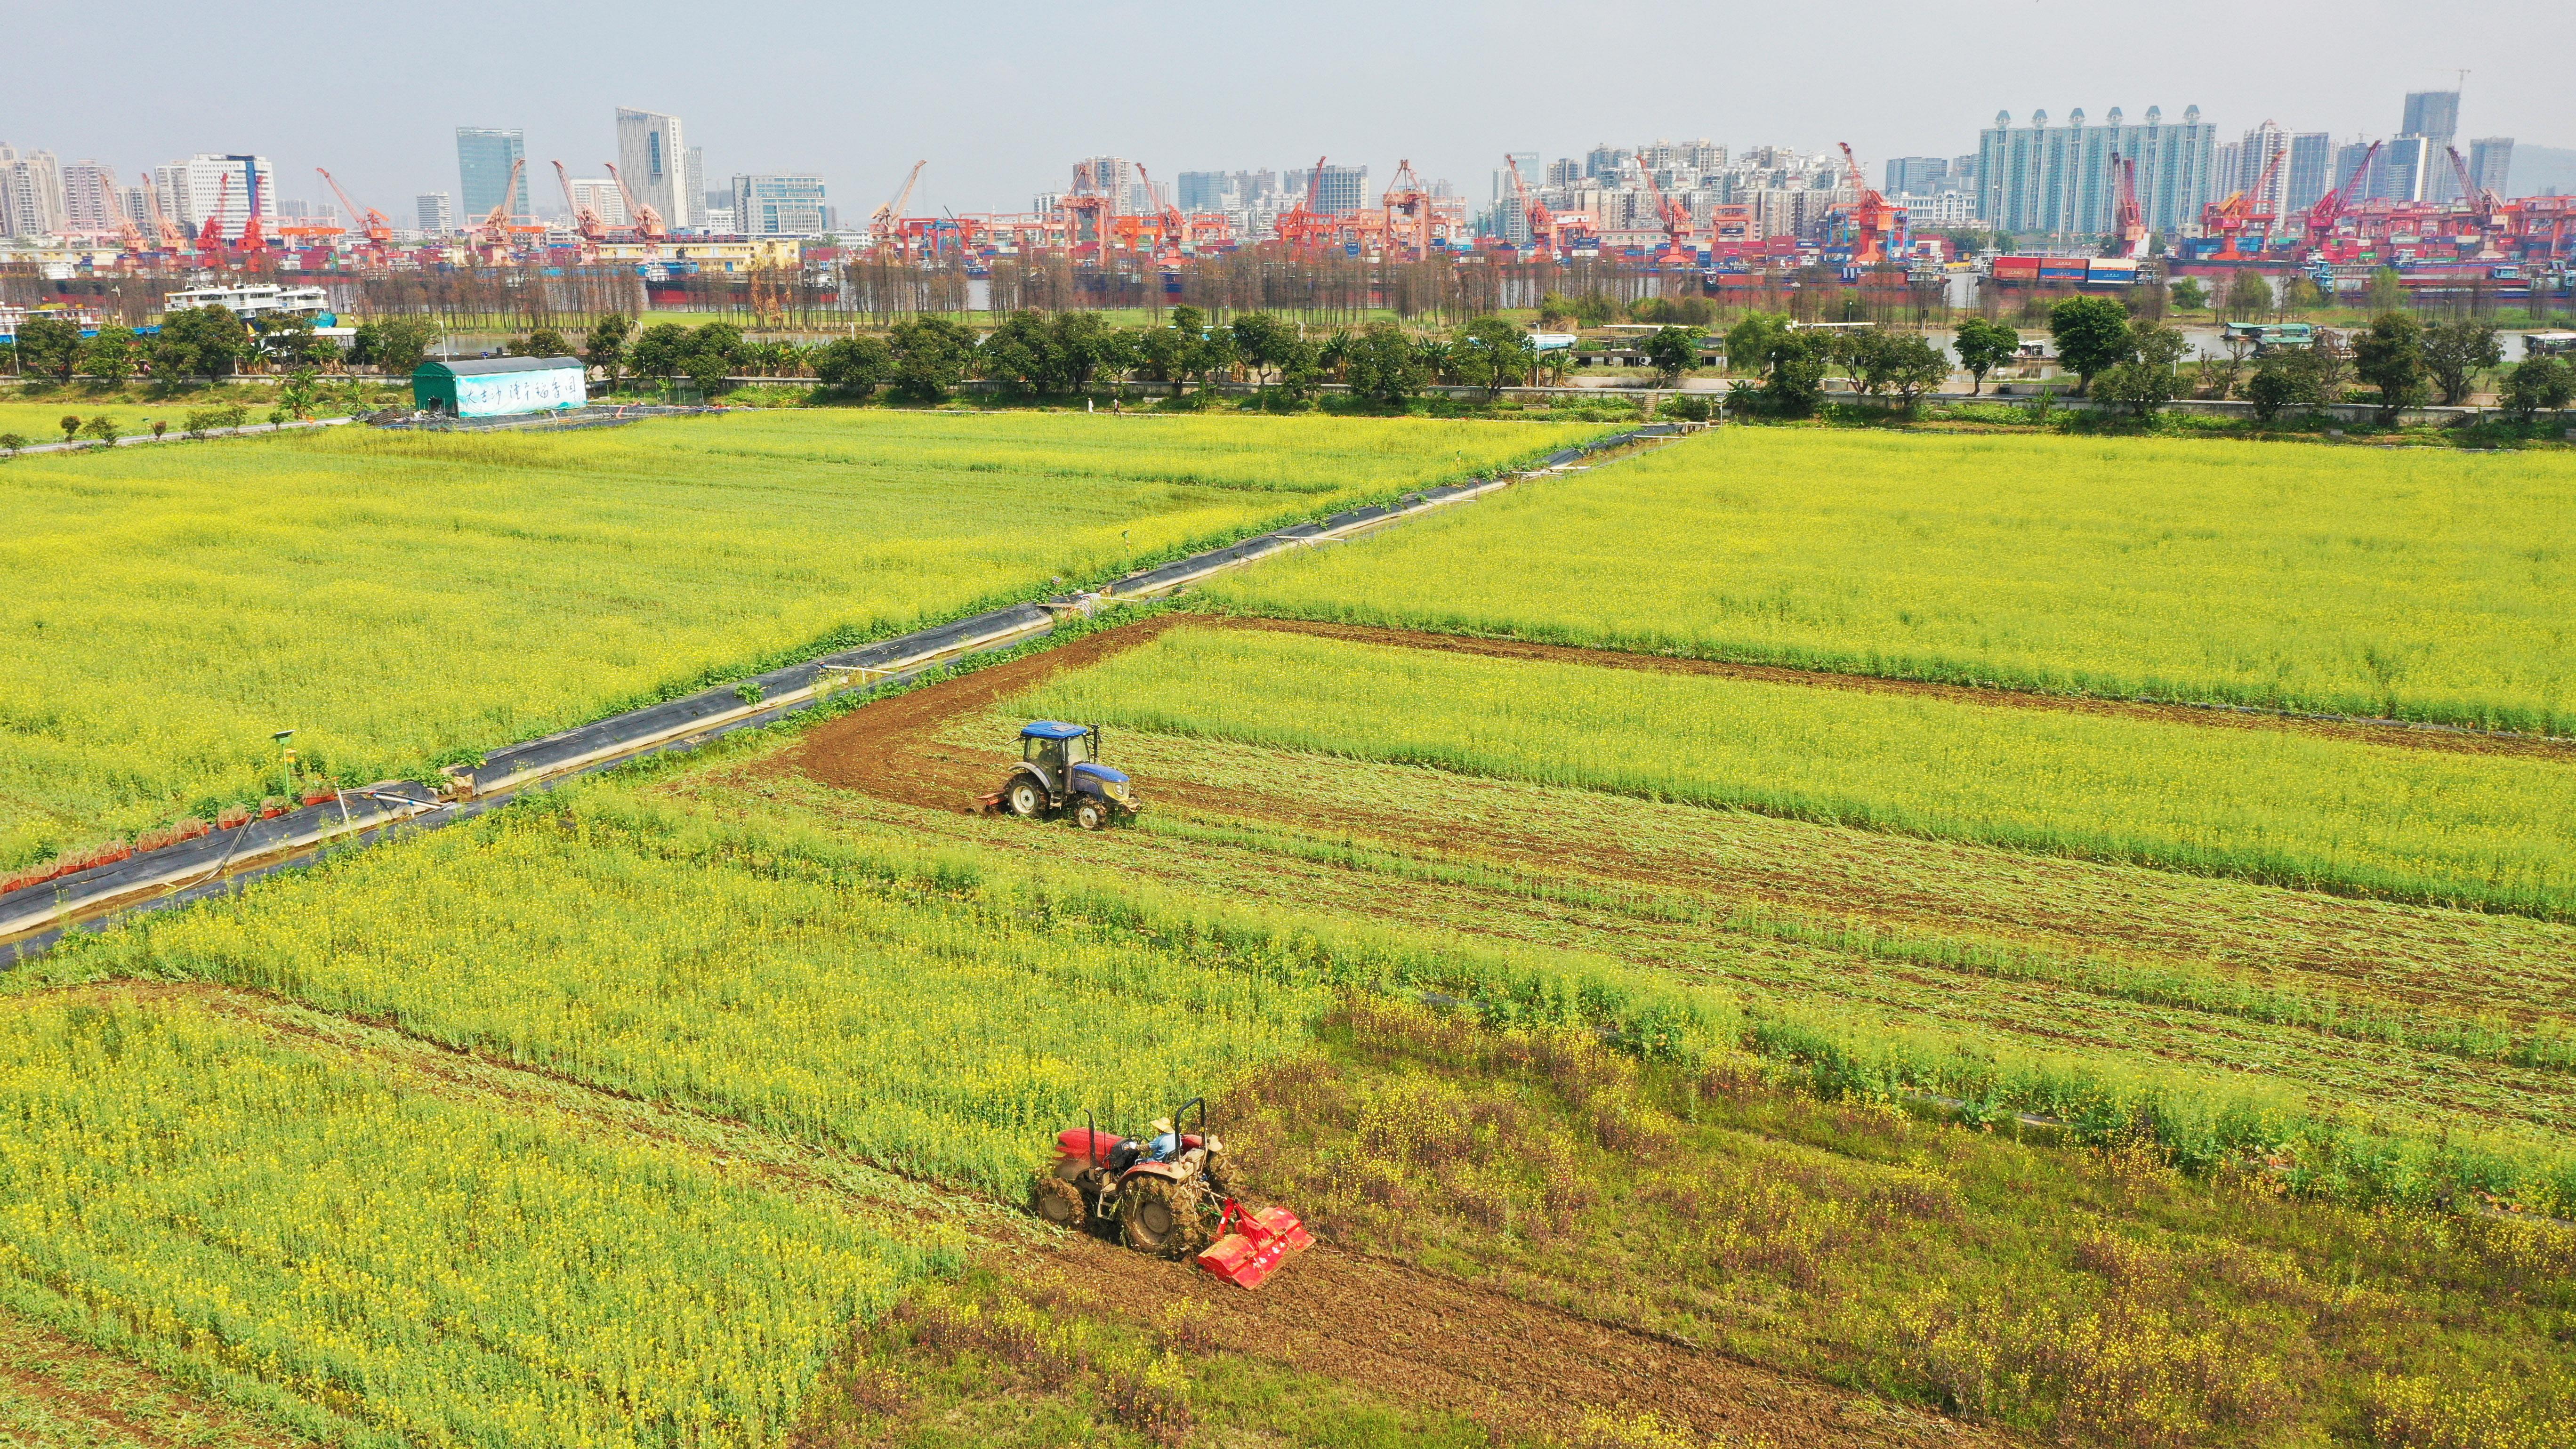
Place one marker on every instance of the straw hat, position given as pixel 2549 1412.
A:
pixel 1162 1125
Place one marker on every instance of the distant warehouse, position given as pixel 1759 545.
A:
pixel 499 387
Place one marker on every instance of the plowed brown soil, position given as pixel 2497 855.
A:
pixel 886 749
pixel 1513 1364
pixel 889 749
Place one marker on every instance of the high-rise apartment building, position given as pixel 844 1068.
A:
pixel 2057 180
pixel 2310 165
pixel 2262 169
pixel 1918 175
pixel 780 205
pixel 2434 115
pixel 2491 162
pixel 1204 190
pixel 485 156
pixel 1510 222
pixel 2403 171
pixel 31 193
pixel 137 202
pixel 2433 119
pixel 2348 159
pixel 1604 162
pixel 89 197
pixel 219 186
pixel 1342 190
pixel 694 173
pixel 654 161
pixel 436 212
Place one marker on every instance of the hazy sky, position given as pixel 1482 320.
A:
pixel 1002 97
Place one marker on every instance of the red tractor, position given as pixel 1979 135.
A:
pixel 1175 1203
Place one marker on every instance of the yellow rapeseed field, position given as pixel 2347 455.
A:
pixel 2424 583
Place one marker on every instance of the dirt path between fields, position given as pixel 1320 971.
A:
pixel 888 749
pixel 1518 1366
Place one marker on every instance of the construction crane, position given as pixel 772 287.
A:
pixel 1542 222
pixel 2329 208
pixel 371 223
pixel 210 237
pixel 253 237
pixel 1087 211
pixel 2231 217
pixel 2482 204
pixel 585 219
pixel 1407 204
pixel 1675 216
pixel 2133 217
pixel 1167 216
pixel 648 222
pixel 494 230
pixel 1873 217
pixel 1304 224
pixel 886 221
pixel 171 236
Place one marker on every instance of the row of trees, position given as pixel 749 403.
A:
pixel 1041 354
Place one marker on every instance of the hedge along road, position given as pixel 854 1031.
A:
pixel 32 918
pixel 402 600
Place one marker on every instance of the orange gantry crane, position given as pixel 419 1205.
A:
pixel 371 223
pixel 1873 217
pixel 1088 210
pixel 885 224
pixel 2132 227
pixel 1305 225
pixel 1170 230
pixel 2240 212
pixel 1411 221
pixel 171 236
pixel 2329 207
pixel 585 218
pixel 1542 222
pixel 646 219
pixel 494 229
pixel 210 237
pixel 1675 216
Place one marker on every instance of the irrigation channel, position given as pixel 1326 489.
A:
pixel 34 917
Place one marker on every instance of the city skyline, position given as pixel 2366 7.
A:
pixel 1015 140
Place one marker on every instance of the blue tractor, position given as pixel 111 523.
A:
pixel 1060 770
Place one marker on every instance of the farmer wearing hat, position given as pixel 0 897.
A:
pixel 1166 1144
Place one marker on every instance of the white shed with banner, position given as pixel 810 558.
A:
pixel 499 387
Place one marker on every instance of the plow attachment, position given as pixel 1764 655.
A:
pixel 1250 1245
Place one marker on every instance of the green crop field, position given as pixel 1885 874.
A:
pixel 404 599
pixel 2427 584
pixel 316 1224
pixel 2497 832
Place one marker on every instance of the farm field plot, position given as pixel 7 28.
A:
pixel 2425 584
pixel 41 422
pixel 2497 831
pixel 1934 956
pixel 403 599
pixel 738 940
pixel 348 1236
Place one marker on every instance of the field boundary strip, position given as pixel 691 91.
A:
pixel 34 917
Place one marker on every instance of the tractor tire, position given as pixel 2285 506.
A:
pixel 1218 1173
pixel 1023 797
pixel 1057 1201
pixel 1164 1219
pixel 1090 814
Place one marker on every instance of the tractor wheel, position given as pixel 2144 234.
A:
pixel 1057 1200
pixel 1163 1218
pixel 1023 798
pixel 1090 814
pixel 1219 1173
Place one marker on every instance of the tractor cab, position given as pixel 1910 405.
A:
pixel 1060 769
pixel 1059 747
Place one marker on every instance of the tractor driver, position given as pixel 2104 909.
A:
pixel 1166 1144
